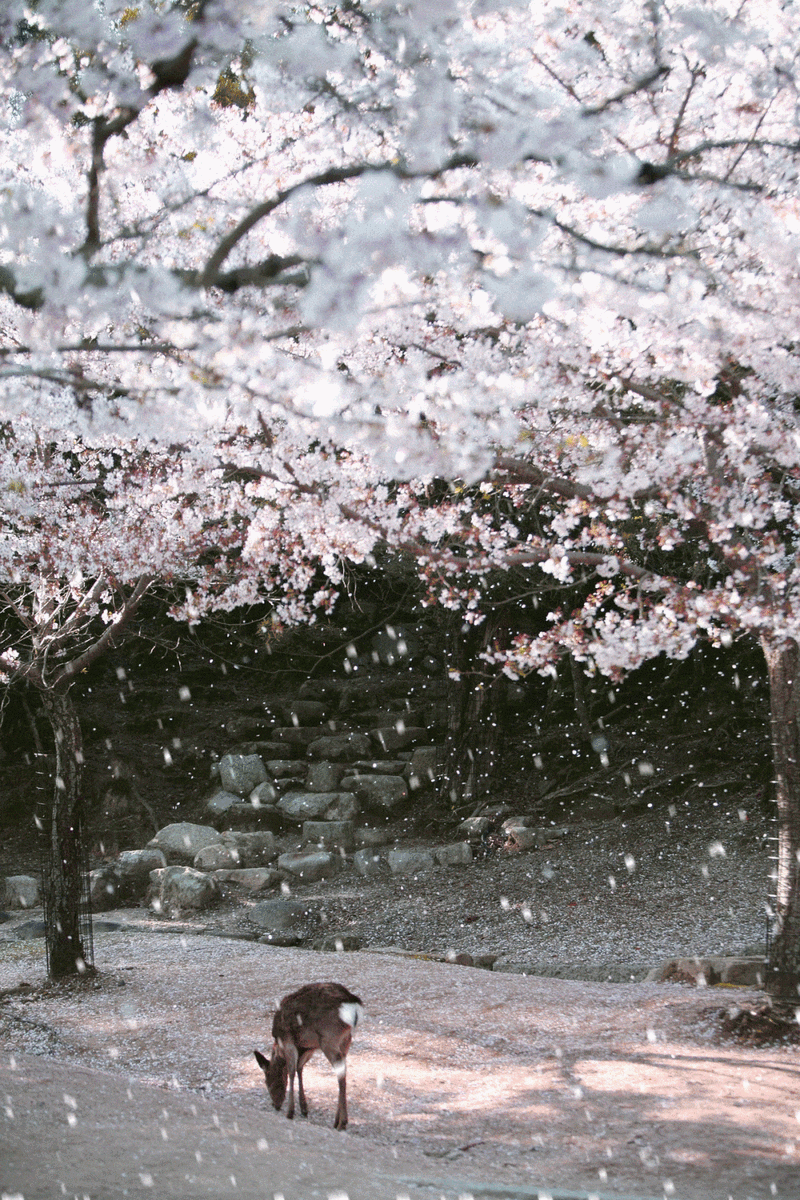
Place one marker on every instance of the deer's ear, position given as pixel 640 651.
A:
pixel 262 1062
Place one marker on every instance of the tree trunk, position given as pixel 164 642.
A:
pixel 473 734
pixel 579 691
pixel 64 884
pixel 783 969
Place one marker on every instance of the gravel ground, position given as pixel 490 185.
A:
pixel 634 891
pixel 609 900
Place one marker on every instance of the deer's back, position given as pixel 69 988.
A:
pixel 311 1011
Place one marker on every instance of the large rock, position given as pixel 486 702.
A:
pixel 330 835
pixel 262 750
pixel 474 827
pixel 294 735
pixel 344 808
pixel 457 854
pixel 247 816
pixel 217 857
pixel 182 841
pixel 250 879
pixel 286 768
pixel 398 736
pixel 324 776
pixel 21 891
pixel 410 862
pixel 255 849
pixel 274 751
pixel 378 766
pixel 106 891
pixel 371 835
pixel 308 806
pixel 744 972
pixel 29 930
pixel 242 728
pixel 104 888
pixel 370 863
pixel 174 889
pixel 284 922
pixel 310 865
pixel 424 766
pixel 327 691
pixel 133 869
pixel 343 747
pixel 263 793
pixel 240 773
pixel 220 802
pixel 236 849
pixel 306 712
pixel 383 792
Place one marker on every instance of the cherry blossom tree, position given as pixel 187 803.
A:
pixel 88 531
pixel 85 534
pixel 550 251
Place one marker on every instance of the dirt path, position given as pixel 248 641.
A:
pixel 476 1082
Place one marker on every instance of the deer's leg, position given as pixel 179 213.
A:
pixel 339 1063
pixel 301 1062
pixel 290 1052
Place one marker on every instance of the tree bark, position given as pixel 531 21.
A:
pixel 63 883
pixel 472 739
pixel 783 968
pixel 579 691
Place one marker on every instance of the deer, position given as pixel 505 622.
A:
pixel 318 1016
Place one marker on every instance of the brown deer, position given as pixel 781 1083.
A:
pixel 319 1016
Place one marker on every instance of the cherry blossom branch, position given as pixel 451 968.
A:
pixel 650 173
pixel 32 299
pixel 269 271
pixel 332 175
pixel 583 558
pixel 102 132
pixel 109 636
pixel 168 73
pixel 649 249
pixel 521 471
pixel 76 616
pixel 695 73
pixel 642 84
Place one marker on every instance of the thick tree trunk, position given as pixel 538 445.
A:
pixel 783 969
pixel 63 883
